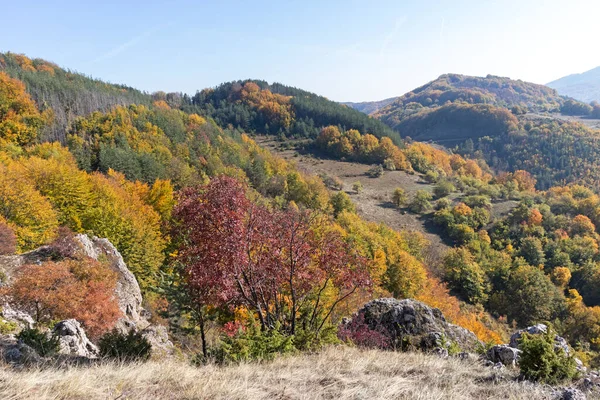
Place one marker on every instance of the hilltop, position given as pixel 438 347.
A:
pixel 453 88
pixel 510 124
pixel 583 87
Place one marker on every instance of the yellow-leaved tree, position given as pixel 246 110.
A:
pixel 20 120
pixel 26 211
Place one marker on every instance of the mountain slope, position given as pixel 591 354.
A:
pixel 67 93
pixel 453 88
pixel 147 176
pixel 369 107
pixel 584 87
pixel 119 173
pixel 511 124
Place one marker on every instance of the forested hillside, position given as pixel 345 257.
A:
pixel 512 125
pixel 168 187
pixel 453 88
pixel 278 109
pixel 66 93
pixel 234 243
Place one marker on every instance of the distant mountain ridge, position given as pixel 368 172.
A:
pixel 454 89
pixel 583 87
pixel 511 124
pixel 370 107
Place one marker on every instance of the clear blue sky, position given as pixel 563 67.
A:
pixel 345 50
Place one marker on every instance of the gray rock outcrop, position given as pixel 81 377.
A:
pixel 20 353
pixel 127 293
pixel 73 340
pixel 559 342
pixel 127 290
pixel 158 337
pixel 571 394
pixel 504 354
pixel 20 318
pixel 416 323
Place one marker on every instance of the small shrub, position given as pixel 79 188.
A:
pixel 42 343
pixel 432 176
pixel 254 344
pixel 482 348
pixel 79 289
pixel 421 202
pixel 375 172
pixel 443 203
pixel 453 348
pixel 443 189
pixel 307 340
pixel 361 334
pixel 125 347
pixel 389 164
pixel 478 201
pixel 399 197
pixel 357 187
pixel 7 327
pixel 332 182
pixel 342 202
pixel 542 361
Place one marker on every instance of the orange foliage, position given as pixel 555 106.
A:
pixel 46 68
pixel 462 209
pixel 524 180
pixel 561 276
pixel 582 225
pixel 276 107
pixel 80 289
pixel 436 294
pixel 449 164
pixel 20 119
pixel 24 62
pixel 390 151
pixel 535 217
pixel 161 104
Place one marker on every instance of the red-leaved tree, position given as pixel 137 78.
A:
pixel 274 262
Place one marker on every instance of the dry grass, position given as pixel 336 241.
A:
pixel 336 373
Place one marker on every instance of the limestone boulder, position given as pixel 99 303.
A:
pixel 73 340
pixel 504 354
pixel 411 321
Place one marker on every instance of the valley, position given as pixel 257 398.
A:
pixel 374 202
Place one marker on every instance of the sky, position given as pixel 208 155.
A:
pixel 344 50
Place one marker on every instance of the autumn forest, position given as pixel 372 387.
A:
pixel 243 254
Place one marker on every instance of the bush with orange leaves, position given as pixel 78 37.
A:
pixel 81 289
pixel 436 294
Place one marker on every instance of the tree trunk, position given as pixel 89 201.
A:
pixel 203 335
